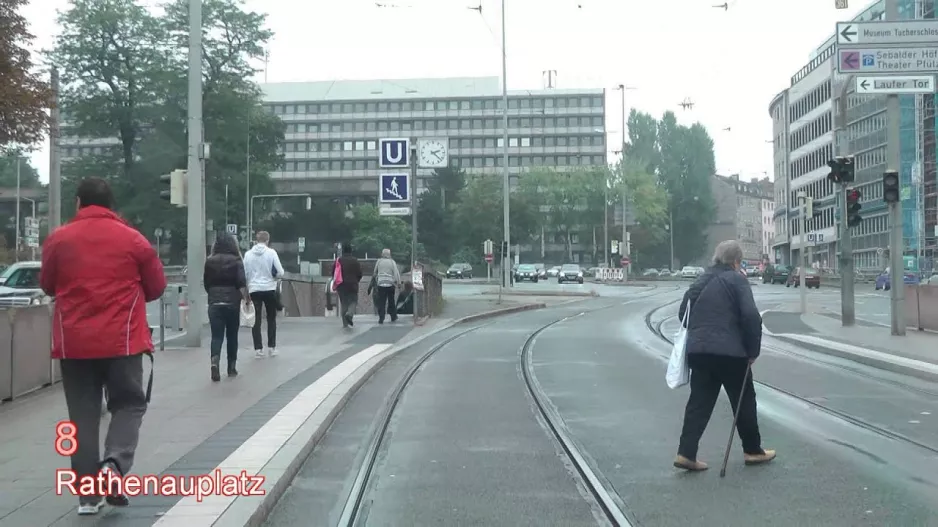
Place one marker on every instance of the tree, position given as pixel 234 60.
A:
pixel 133 86
pixel 29 178
pixel 24 97
pixel 480 213
pixel 648 203
pixel 373 232
pixel 682 161
pixel 435 207
pixel 565 202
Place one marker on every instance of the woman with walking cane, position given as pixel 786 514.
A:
pixel 724 337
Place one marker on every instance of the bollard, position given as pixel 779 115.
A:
pixel 162 324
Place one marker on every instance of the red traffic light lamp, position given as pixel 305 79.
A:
pixel 891 186
pixel 853 207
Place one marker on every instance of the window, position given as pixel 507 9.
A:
pixel 525 141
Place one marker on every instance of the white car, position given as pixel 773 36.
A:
pixel 19 286
pixel 690 272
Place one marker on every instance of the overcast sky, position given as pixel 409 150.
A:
pixel 730 63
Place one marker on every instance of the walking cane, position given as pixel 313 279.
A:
pixel 729 443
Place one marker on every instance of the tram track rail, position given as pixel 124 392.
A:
pixel 601 491
pixel 655 328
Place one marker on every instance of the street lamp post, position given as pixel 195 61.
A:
pixel 32 203
pixel 506 257
pixel 16 243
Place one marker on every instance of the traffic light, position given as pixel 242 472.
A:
pixel 842 170
pixel 847 170
pixel 853 207
pixel 174 187
pixel 834 175
pixel 891 186
pixel 505 248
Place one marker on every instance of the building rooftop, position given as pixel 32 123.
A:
pixel 357 90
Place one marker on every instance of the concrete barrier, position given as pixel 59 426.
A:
pixel 25 343
pixel 921 307
pixel 306 296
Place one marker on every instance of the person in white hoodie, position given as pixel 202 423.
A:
pixel 262 268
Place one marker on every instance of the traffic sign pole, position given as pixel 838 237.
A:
pixel 842 144
pixel 893 162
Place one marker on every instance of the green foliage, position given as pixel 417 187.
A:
pixel 435 213
pixel 371 233
pixel 682 161
pixel 124 73
pixel 29 178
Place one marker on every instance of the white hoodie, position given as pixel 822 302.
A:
pixel 259 264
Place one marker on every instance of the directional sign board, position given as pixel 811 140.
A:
pixel 887 32
pixel 393 153
pixel 394 211
pixel 922 59
pixel 896 84
pixel 232 228
pixel 394 188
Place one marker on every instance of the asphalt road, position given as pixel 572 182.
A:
pixel 467 447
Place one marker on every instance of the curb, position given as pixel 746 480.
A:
pixel 583 294
pixel 281 469
pixel 867 360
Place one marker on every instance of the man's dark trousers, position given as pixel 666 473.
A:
pixel 83 381
pixel 708 374
pixel 267 300
pixel 387 303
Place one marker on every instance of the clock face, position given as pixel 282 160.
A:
pixel 433 153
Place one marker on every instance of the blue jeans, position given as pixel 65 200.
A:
pixel 224 319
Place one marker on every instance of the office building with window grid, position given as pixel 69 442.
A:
pixel 803 117
pixel 333 129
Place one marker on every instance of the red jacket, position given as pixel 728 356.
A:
pixel 102 272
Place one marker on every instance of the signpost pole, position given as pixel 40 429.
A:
pixel 413 205
pixel 847 302
pixel 195 252
pixel 893 162
pixel 802 205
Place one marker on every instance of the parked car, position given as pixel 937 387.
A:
pixel 459 270
pixel 776 274
pixel 883 281
pixel 689 272
pixel 812 278
pixel 650 272
pixel 541 271
pixel 19 285
pixel 554 271
pixel 527 272
pixel 570 273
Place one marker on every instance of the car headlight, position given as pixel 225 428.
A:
pixel 580 274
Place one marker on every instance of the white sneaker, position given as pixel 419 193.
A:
pixel 259 354
pixel 89 509
pixel 272 352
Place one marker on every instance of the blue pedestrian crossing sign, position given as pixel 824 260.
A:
pixel 393 153
pixel 395 188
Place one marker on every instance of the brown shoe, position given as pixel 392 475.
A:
pixel 689 464
pixel 759 459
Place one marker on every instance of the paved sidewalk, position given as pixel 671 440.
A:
pixel 915 354
pixel 192 424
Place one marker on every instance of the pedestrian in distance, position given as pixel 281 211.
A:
pixel 387 280
pixel 348 289
pixel 101 272
pixel 724 337
pixel 226 285
pixel 262 267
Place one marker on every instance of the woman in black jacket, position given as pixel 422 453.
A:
pixel 724 337
pixel 227 288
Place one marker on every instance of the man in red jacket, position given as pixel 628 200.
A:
pixel 102 272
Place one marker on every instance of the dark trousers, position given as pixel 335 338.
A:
pixel 267 300
pixel 224 320
pixel 83 381
pixel 387 303
pixel 348 303
pixel 708 374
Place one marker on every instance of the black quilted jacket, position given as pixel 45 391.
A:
pixel 724 319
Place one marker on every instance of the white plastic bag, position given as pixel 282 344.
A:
pixel 247 315
pixel 678 372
